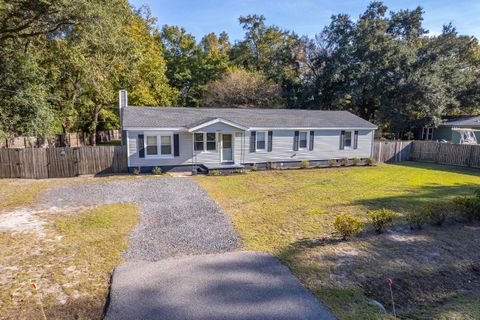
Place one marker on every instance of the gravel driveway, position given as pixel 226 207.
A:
pixel 177 216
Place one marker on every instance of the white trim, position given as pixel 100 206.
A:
pixel 232 134
pixel 352 137
pixel 217 120
pixel 266 141
pixel 307 138
pixel 249 128
pixel 154 129
pixel 215 141
pixel 307 129
pixel 159 136
pixel 464 129
pixel 204 141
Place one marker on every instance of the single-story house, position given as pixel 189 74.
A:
pixel 203 139
pixel 465 129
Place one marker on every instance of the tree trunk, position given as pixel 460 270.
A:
pixel 93 131
pixel 66 136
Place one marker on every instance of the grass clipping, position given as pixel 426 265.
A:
pixel 70 265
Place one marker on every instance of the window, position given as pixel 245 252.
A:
pixel 198 141
pixel 261 140
pixel 347 139
pixel 166 147
pixel 152 146
pixel 159 145
pixel 427 133
pixel 303 140
pixel 205 141
pixel 211 142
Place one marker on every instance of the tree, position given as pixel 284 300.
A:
pixel 242 89
pixel 275 52
pixel 24 106
pixel 385 69
pixel 190 66
pixel 146 79
pixel 23 19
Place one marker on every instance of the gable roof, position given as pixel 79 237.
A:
pixel 187 118
pixel 202 124
pixel 466 121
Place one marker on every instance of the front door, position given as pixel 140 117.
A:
pixel 227 147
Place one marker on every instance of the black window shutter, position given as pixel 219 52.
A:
pixel 253 141
pixel 176 145
pixel 355 140
pixel 342 138
pixel 312 140
pixel 141 146
pixel 295 141
pixel 270 141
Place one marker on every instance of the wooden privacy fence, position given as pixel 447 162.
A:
pixel 39 163
pixel 392 151
pixel 427 151
pixel 446 153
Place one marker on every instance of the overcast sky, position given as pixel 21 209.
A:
pixel 305 17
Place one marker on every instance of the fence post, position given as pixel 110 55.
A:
pixel 438 148
pixel 76 161
pixel 18 163
pixel 380 151
pixel 470 157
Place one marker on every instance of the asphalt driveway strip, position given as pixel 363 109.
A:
pixel 236 285
pixel 180 263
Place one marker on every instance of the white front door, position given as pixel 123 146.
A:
pixel 227 147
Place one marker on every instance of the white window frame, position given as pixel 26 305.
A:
pixel 205 139
pixel 352 136
pixel 205 150
pixel 159 136
pixel 147 144
pixel 427 133
pixel 195 142
pixel 266 141
pixel 307 136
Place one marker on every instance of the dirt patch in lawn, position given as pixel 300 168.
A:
pixel 435 272
pixel 70 262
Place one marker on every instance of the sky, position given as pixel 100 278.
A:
pixel 305 17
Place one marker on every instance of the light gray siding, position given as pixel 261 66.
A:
pixel 185 141
pixel 326 146
pixel 186 151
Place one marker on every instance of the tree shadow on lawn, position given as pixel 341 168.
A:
pixel 429 268
pixel 418 197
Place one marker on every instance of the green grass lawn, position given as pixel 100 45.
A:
pixel 290 214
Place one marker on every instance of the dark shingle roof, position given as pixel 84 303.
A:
pixel 173 117
pixel 466 121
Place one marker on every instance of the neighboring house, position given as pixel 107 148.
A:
pixel 464 129
pixel 222 138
